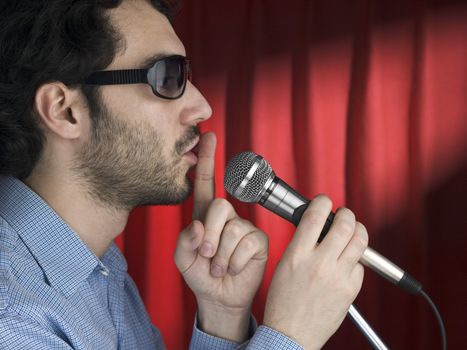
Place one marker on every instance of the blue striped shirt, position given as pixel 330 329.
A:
pixel 57 294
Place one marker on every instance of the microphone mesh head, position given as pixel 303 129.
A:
pixel 237 170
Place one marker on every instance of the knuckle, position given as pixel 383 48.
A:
pixel 360 246
pixel 293 259
pixel 318 210
pixel 324 199
pixel 346 227
pixel 211 234
pixel 312 216
pixel 204 176
pixel 347 213
pixel 244 222
pixel 220 203
pixel 234 267
pixel 363 233
pixel 249 242
pixel 235 229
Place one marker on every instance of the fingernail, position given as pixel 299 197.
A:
pixel 231 272
pixel 207 250
pixel 216 270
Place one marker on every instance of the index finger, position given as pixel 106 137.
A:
pixel 204 186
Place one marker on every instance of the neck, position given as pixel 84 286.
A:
pixel 96 224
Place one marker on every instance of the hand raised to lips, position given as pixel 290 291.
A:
pixel 221 256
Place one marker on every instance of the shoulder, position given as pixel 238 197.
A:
pixel 15 261
pixel 8 243
pixel 8 237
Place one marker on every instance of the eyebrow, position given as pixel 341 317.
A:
pixel 148 62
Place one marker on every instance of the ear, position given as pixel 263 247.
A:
pixel 61 110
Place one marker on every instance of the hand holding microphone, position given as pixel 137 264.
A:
pixel 250 178
pixel 309 273
pixel 314 285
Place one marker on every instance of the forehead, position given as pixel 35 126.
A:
pixel 146 33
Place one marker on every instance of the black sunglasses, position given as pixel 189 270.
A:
pixel 167 76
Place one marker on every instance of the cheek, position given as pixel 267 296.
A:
pixel 137 103
pixel 164 123
pixel 131 101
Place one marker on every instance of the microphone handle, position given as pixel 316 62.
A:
pixel 370 257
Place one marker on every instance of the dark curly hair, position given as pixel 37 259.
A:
pixel 43 41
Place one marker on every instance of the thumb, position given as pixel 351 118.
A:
pixel 187 245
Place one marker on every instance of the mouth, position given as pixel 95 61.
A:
pixel 193 147
pixel 191 152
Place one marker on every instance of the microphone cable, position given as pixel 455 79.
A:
pixel 438 318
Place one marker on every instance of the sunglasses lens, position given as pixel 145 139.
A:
pixel 168 77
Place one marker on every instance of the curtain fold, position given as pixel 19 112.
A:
pixel 362 100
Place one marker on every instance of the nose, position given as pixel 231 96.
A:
pixel 196 108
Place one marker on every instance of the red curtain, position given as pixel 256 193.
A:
pixel 363 100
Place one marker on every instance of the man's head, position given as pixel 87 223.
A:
pixel 123 143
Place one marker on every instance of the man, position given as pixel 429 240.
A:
pixel 83 142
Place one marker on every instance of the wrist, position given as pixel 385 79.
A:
pixel 224 322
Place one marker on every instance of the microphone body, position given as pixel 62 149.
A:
pixel 277 196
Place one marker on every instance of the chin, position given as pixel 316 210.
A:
pixel 175 195
pixel 186 189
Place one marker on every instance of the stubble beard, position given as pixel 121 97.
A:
pixel 123 165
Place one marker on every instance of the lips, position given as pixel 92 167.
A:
pixel 193 147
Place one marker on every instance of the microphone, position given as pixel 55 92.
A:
pixel 249 178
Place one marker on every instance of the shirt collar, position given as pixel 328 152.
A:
pixel 114 259
pixel 62 255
